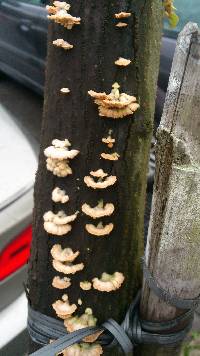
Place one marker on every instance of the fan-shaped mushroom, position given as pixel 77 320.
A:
pixel 85 285
pixel 108 282
pixel 59 230
pixel 83 321
pixel 63 308
pixel 110 156
pixel 59 151
pixel 62 44
pixel 63 255
pixel 59 14
pixel 65 90
pixel 58 168
pixel 61 283
pixel 58 224
pixel 121 24
pixel 100 184
pixel 67 267
pixel 100 229
pixel 98 211
pixel 122 15
pixel 114 105
pixel 83 349
pixel 109 141
pixel 59 196
pixel 61 218
pixel 122 62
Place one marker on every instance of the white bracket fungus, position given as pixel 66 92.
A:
pixel 65 90
pixel 59 196
pixel 109 141
pixel 59 14
pixel 62 307
pixel 67 267
pixel 98 211
pixel 101 183
pixel 121 24
pixel 62 44
pixel 114 105
pixel 85 285
pixel 61 283
pixel 122 62
pixel 110 156
pixel 122 15
pixel 58 224
pixel 100 229
pixel 57 157
pixel 108 282
pixel 63 255
pixel 83 349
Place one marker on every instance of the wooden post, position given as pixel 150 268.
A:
pixel 173 246
pixel 90 65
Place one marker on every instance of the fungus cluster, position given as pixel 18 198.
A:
pixel 115 105
pixel 100 229
pixel 98 211
pixel 62 44
pixel 61 283
pixel 59 196
pixel 63 255
pixel 123 62
pixel 58 224
pixel 59 14
pixel 58 156
pixel 110 156
pixel 63 308
pixel 108 282
pixel 83 349
pixel 122 15
pixel 103 180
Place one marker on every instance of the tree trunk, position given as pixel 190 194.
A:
pixel 90 65
pixel 173 246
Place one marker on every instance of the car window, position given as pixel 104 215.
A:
pixel 187 10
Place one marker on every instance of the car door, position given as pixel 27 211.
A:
pixel 23 32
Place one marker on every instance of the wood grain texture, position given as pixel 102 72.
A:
pixel 173 246
pixel 90 65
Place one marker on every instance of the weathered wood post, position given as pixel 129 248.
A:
pixel 89 65
pixel 173 246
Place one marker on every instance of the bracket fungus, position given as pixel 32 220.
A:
pixel 79 322
pixel 98 211
pixel 108 282
pixel 122 15
pixel 121 24
pixel 110 156
pixel 101 182
pixel 62 307
pixel 122 62
pixel 85 285
pixel 65 90
pixel 63 255
pixel 58 224
pixel 100 229
pixel 67 267
pixel 114 105
pixel 83 349
pixel 59 14
pixel 62 44
pixel 61 283
pixel 57 157
pixel 109 141
pixel 59 196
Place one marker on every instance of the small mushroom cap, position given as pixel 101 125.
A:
pixel 99 173
pixel 98 211
pixel 122 62
pixel 60 153
pixel 85 285
pixel 59 230
pixel 65 90
pixel 99 230
pixel 83 349
pixel 62 219
pixel 108 282
pixel 62 5
pixel 121 24
pixel 67 268
pixel 62 307
pixel 61 143
pixel 122 15
pixel 109 181
pixel 108 141
pixel 63 255
pixel 61 283
pixel 110 156
pixel 59 196
pixel 62 44
pixel 96 95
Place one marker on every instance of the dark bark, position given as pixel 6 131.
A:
pixel 90 65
